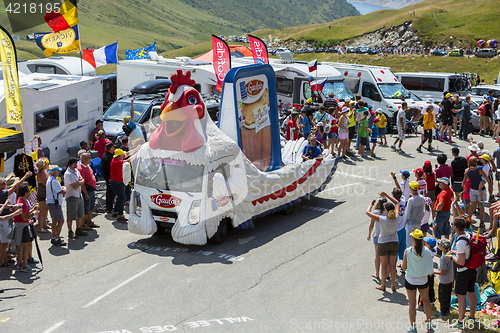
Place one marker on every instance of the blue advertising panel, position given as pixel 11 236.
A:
pixel 249 114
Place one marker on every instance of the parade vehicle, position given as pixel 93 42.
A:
pixel 57 65
pixel 292 77
pixel 198 180
pixel 377 87
pixel 432 84
pixel 61 109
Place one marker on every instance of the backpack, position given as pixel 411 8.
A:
pixel 477 253
pixel 482 109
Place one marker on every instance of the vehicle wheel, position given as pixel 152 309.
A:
pixel 288 210
pixel 159 230
pixel 220 236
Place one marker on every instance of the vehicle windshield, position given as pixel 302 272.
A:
pixel 170 175
pixel 120 109
pixel 337 87
pixel 414 97
pixel 393 90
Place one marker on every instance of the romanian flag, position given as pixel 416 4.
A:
pixel 66 18
pixel 65 41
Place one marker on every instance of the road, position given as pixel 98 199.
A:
pixel 305 272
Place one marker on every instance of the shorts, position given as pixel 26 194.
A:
pixel 442 222
pixel 467 202
pixel 381 131
pixel 448 121
pixel 432 194
pixel 74 208
pixel 401 135
pixel 497 176
pixel 466 281
pixel 363 141
pixel 474 195
pixel 373 140
pixel 332 135
pixel 5 231
pixel 457 187
pixel 428 135
pixel 343 136
pixel 375 240
pixel 56 212
pixel 41 193
pixel 410 286
pixel 306 135
pixel 22 233
pixel 352 132
pixel 388 249
pixel 89 205
pixel 484 121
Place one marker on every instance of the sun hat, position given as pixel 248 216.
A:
pixel 419 171
pixel 473 147
pixel 331 94
pixel 347 100
pixel 417 234
pixel 379 110
pixel 429 100
pixel 444 180
pixel 345 109
pixel 431 241
pixel 54 167
pixel 428 201
pixel 40 163
pixel 405 173
pixel 485 157
pixel 320 124
pixel 444 243
pixel 414 185
pixel 118 152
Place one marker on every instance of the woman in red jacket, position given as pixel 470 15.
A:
pixel 116 183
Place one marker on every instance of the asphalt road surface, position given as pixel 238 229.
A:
pixel 305 272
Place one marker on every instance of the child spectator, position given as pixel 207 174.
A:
pixel 430 179
pixel 363 133
pixel 422 184
pixel 374 136
pixel 445 278
pixel 466 197
pixel 404 186
pixel 382 122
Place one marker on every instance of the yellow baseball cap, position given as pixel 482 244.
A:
pixel 126 119
pixel 448 95
pixel 486 157
pixel 309 101
pixel 118 152
pixel 417 234
pixel 414 185
pixel 352 102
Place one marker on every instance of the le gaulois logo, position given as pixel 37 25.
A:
pixel 254 87
pixel 166 200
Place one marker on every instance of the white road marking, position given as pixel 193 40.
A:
pixel 119 286
pixel 337 187
pixel 363 177
pixel 56 326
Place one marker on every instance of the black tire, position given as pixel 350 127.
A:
pixel 220 236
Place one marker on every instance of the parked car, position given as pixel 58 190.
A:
pixel 486 53
pixel 439 52
pixel 455 53
pixel 362 49
pixel 350 49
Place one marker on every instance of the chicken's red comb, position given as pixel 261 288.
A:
pixel 180 79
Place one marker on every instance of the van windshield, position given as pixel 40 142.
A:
pixel 393 90
pixel 172 175
pixel 339 88
pixel 120 109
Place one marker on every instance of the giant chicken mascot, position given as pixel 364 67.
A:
pixel 187 133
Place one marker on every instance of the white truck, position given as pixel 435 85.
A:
pixel 61 109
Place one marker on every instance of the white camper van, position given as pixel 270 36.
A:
pixel 61 109
pixel 56 65
pixel 432 85
pixel 377 86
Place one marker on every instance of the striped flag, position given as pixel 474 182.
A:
pixel 102 56
pixel 66 18
pixel 313 65
pixel 318 85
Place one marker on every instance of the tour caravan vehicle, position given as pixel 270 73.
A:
pixel 198 180
pixel 61 109
pixel 432 85
pixel 377 86
pixel 57 65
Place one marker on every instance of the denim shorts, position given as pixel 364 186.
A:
pixel 89 205
pixel 375 240
pixel 442 222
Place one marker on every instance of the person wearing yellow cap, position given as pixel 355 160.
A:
pixel 414 210
pixel 351 115
pixel 417 265
pixel 484 160
pixel 116 180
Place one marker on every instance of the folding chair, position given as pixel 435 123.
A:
pixel 100 196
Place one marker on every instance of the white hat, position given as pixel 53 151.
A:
pixel 345 109
pixel 347 100
pixel 320 124
pixel 379 110
pixel 429 100
pixel 473 147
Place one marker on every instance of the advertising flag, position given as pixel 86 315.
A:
pixel 259 50
pixel 313 65
pixel 140 53
pixel 102 56
pixel 66 18
pixel 221 60
pixel 8 58
pixel 65 41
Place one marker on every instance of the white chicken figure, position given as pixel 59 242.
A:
pixel 193 175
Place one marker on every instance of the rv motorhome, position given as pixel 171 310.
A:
pixel 61 109
pixel 56 65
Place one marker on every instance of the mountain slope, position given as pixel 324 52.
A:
pixel 178 23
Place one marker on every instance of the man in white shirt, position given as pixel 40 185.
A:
pixel 413 212
pixel 74 199
pixel 54 199
pixel 466 278
pixel 401 124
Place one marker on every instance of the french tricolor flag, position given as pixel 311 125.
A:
pixel 102 56
pixel 318 85
pixel 313 65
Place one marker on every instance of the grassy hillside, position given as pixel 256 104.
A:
pixel 180 23
pixel 436 21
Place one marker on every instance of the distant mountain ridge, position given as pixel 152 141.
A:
pixel 396 4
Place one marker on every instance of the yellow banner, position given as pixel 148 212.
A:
pixel 12 92
pixel 65 41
